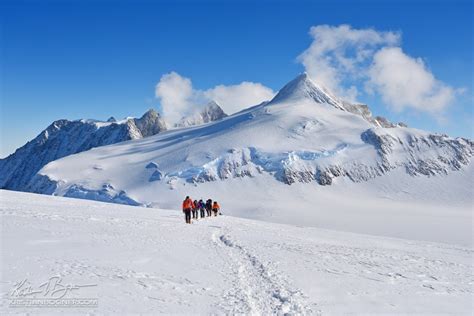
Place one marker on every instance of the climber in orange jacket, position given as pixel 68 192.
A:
pixel 187 207
pixel 215 208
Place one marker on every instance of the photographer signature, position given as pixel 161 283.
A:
pixel 53 288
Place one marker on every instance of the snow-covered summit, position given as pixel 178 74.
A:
pixel 211 112
pixel 302 87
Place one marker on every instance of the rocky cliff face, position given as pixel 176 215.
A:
pixel 150 124
pixel 64 137
pixel 364 111
pixel 420 154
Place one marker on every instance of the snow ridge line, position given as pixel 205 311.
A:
pixel 260 290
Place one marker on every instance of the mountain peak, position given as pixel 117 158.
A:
pixel 303 76
pixel 302 87
pixel 150 123
pixel 211 112
pixel 213 105
pixel 151 113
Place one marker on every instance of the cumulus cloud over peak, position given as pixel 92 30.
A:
pixel 234 98
pixel 403 81
pixel 341 52
pixel 344 59
pixel 178 98
pixel 176 95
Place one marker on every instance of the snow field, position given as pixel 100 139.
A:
pixel 149 261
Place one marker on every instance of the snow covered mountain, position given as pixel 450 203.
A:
pixel 303 147
pixel 64 137
pixel 211 112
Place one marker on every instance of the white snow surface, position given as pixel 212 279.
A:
pixel 149 261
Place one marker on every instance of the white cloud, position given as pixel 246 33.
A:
pixel 178 98
pixel 237 97
pixel 343 59
pixel 403 81
pixel 338 53
pixel 176 95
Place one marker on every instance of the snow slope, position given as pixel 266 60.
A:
pixel 292 160
pixel 148 261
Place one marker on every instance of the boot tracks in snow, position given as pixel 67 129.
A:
pixel 258 289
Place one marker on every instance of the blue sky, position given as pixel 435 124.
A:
pixel 94 59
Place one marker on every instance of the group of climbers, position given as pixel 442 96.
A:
pixel 195 208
